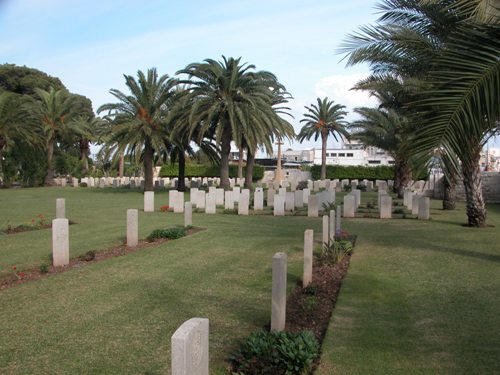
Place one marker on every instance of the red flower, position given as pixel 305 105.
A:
pixel 14 268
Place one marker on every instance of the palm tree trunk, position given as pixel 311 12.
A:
pixel 449 193
pixel 476 209
pixel 324 138
pixel 402 176
pixel 148 167
pixel 2 145
pixel 181 184
pixel 225 149
pixel 84 152
pixel 121 165
pixel 240 162
pixel 49 177
pixel 249 171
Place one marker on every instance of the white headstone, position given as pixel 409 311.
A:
pixel 149 201
pixel 228 200
pixel 338 219
pixel 299 198
pixel 349 205
pixel 331 231
pixel 258 200
pixel 308 257
pixel 385 206
pixel 270 197
pixel 201 199
pixel 290 201
pixel 219 197
pixel 188 214
pixel 179 202
pixel 278 310
pixel 190 348
pixel 279 205
pixel 132 227
pixel 193 196
pixel 424 205
pixel 60 242
pixel 312 206
pixel 210 206
pixel 326 230
pixel 243 202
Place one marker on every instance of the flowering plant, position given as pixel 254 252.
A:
pixel 164 208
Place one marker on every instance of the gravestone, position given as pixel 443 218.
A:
pixel 278 309
pixel 210 206
pixel 172 198
pixel 201 199
pixel 349 205
pixel 331 231
pixel 424 205
pixel 279 205
pixel 305 195
pixel 312 206
pixel 414 204
pixel 338 227
pixel 149 201
pixel 219 197
pixel 190 348
pixel 188 214
pixel 409 201
pixel 179 202
pixel 258 200
pixel 236 193
pixel 299 199
pixel 326 239
pixel 193 195
pixel 385 206
pixel 243 202
pixel 369 185
pixel 228 200
pixel 132 227
pixel 282 191
pixel 308 257
pixel 357 196
pixel 60 208
pixel 270 197
pixel 290 201
pixel 380 194
pixel 60 242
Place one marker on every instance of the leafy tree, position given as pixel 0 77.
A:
pixel 232 103
pixel 23 80
pixel 321 120
pixel 139 118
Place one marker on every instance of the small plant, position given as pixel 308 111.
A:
pixel 88 256
pixel 164 208
pixel 230 212
pixel 347 188
pixel 44 268
pixel 82 184
pixel 370 204
pixel 302 185
pixel 309 303
pixel 334 252
pixel 329 206
pixel 362 187
pixel 311 290
pixel 169 233
pixel 271 353
pixel 398 210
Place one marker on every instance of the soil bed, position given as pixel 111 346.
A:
pixel 28 228
pixel 24 276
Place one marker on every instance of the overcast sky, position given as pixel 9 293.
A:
pixel 90 44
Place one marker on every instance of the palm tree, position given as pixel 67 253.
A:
pixel 139 118
pixel 324 119
pixel 52 110
pixel 230 99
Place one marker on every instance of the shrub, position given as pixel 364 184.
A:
pixel 334 252
pixel 272 353
pixel 88 256
pixel 169 233
pixel 347 188
pixel 44 268
pixel 302 185
pixel 354 172
pixel 398 210
pixel 329 206
pixel 202 170
pixel 83 184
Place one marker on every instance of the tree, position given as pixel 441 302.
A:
pixel 231 98
pixel 139 118
pixel 323 119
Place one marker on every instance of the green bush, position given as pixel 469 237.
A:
pixel 202 170
pixel 169 233
pixel 335 251
pixel 272 353
pixel 354 172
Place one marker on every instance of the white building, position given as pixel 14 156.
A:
pixel 354 153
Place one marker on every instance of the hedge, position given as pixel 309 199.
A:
pixel 201 170
pixel 341 172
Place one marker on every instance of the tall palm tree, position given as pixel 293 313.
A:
pixel 139 118
pixel 323 119
pixel 230 99
pixel 53 110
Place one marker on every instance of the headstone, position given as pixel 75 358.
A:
pixel 201 199
pixel 312 206
pixel 60 242
pixel 414 204
pixel 299 199
pixel 305 195
pixel 357 196
pixel 149 201
pixel 190 348
pixel 349 205
pixel 172 198
pixel 326 230
pixel 338 227
pixel 385 206
pixel 193 195
pixel 219 197
pixel 236 193
pixel 243 202
pixel 409 200
pixel 279 205
pixel 424 205
pixel 132 227
pixel 278 310
pixel 228 200
pixel 380 193
pixel 406 196
pixel 331 231
pixel 369 185
pixel 60 208
pixel 308 257
pixel 179 202
pixel 290 201
pixel 316 186
pixel 210 206
pixel 188 214
pixel 282 191
pixel 270 197
pixel 258 200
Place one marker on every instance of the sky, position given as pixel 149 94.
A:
pixel 90 44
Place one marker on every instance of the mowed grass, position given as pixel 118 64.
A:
pixel 117 316
pixel 419 298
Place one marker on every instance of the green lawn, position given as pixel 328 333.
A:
pixel 419 298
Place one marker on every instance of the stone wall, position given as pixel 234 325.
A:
pixel 490 182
